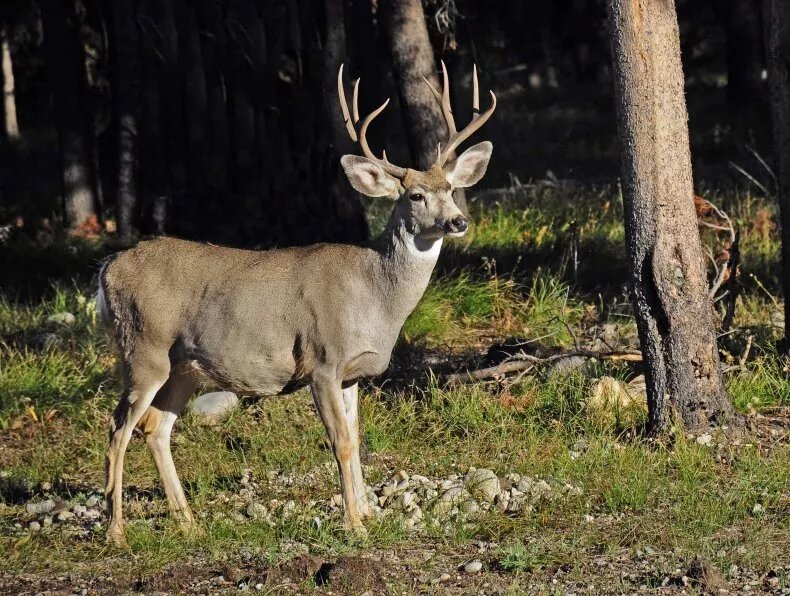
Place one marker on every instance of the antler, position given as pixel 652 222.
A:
pixel 388 167
pixel 478 119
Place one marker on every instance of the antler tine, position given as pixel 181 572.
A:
pixel 447 109
pixel 350 123
pixel 356 101
pixel 475 94
pixel 392 169
pixel 473 126
pixel 344 106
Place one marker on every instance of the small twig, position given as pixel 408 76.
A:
pixel 746 350
pixel 749 177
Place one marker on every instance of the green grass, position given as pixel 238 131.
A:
pixel 510 278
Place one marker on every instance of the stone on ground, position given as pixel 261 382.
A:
pixel 211 408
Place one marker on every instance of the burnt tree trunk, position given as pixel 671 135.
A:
pixel 351 224
pixel 127 99
pixel 65 67
pixel 744 52
pixel 777 37
pixel 212 23
pixel 674 314
pixel 154 188
pixel 412 59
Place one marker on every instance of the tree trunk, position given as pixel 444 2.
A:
pixel 11 127
pixel 240 97
pixel 194 103
pixel 212 23
pixel 674 314
pixel 351 224
pixel 154 189
pixel 744 53
pixel 777 35
pixel 127 99
pixel 412 59
pixel 65 65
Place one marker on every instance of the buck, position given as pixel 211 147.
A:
pixel 271 322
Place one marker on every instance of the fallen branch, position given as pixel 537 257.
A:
pixel 522 362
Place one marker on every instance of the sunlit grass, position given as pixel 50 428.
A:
pixel 58 384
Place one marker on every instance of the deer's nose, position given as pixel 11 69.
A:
pixel 456 224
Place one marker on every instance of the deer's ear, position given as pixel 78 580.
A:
pixel 470 166
pixel 368 177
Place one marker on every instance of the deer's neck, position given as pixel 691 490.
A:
pixel 406 266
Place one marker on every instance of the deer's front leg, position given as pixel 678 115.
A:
pixel 328 397
pixel 351 401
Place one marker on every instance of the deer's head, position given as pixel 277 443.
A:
pixel 424 198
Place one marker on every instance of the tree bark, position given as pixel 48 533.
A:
pixel 412 59
pixel 10 124
pixel 744 53
pixel 241 97
pixel 212 23
pixel 777 41
pixel 127 99
pixel 674 314
pixel 65 66
pixel 154 188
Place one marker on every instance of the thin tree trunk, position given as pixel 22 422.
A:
pixel 744 53
pixel 127 102
pixel 194 102
pixel 777 35
pixel 66 76
pixel 350 222
pixel 240 97
pixel 154 189
pixel 412 59
pixel 669 284
pixel 173 91
pixel 11 127
pixel 212 24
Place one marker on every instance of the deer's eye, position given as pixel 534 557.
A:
pixel 417 197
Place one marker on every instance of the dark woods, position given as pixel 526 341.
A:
pixel 218 119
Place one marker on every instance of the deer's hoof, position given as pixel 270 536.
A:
pixel 116 536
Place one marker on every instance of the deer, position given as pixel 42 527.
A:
pixel 270 322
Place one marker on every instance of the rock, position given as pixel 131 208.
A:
pixel 568 366
pixel 62 318
pixel 401 476
pixel 704 439
pixel 610 400
pixel 482 484
pixel 47 521
pixel 406 499
pixel 445 577
pixel 289 508
pixel 389 489
pixel 524 485
pixel 211 408
pixel 40 507
pixel 473 566
pixel 256 510
pixel 470 506
pixel 449 499
pixel 64 515
pixel 34 526
pixel 93 500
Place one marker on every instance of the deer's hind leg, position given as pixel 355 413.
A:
pixel 157 425
pixel 146 373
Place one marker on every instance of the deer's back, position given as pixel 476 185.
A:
pixel 253 320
